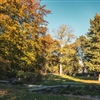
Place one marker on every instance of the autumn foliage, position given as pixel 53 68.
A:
pixel 21 26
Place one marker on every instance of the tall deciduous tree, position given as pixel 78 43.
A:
pixel 64 36
pixel 21 24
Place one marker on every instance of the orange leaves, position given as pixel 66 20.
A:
pixel 47 41
pixel 3 1
pixel 36 13
pixel 28 11
pixel 31 5
pixel 22 23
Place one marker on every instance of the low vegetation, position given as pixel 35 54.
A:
pixel 75 86
pixel 19 93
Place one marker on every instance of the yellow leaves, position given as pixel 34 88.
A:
pixel 22 21
pixel 29 58
pixel 3 1
pixel 19 47
pixel 26 25
pixel 3 16
pixel 13 28
pixel 68 50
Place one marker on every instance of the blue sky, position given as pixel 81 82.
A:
pixel 74 13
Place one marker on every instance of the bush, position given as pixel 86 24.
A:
pixel 30 77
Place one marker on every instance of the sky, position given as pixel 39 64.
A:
pixel 74 13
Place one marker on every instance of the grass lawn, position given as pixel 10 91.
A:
pixel 51 79
pixel 16 92
pixel 19 93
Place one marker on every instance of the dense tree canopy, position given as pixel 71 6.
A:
pixel 25 45
pixel 21 25
pixel 92 44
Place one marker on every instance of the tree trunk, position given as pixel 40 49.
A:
pixel 99 77
pixel 60 69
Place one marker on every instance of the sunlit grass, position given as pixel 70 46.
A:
pixel 80 80
pixel 55 79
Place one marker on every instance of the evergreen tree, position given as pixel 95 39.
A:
pixel 92 47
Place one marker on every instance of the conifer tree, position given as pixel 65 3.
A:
pixel 92 52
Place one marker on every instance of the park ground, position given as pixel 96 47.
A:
pixel 88 86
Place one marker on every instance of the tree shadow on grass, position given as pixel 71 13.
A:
pixel 53 79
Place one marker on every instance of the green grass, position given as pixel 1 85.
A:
pixel 13 92
pixel 78 85
pixel 87 78
pixel 19 93
pixel 51 79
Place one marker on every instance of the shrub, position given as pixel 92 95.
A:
pixel 30 77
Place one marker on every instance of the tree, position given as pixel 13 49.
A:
pixel 92 45
pixel 92 53
pixel 64 36
pixel 70 58
pixel 48 45
pixel 21 24
pixel 4 67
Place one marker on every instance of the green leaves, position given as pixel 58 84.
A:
pixel 65 49
pixel 92 45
